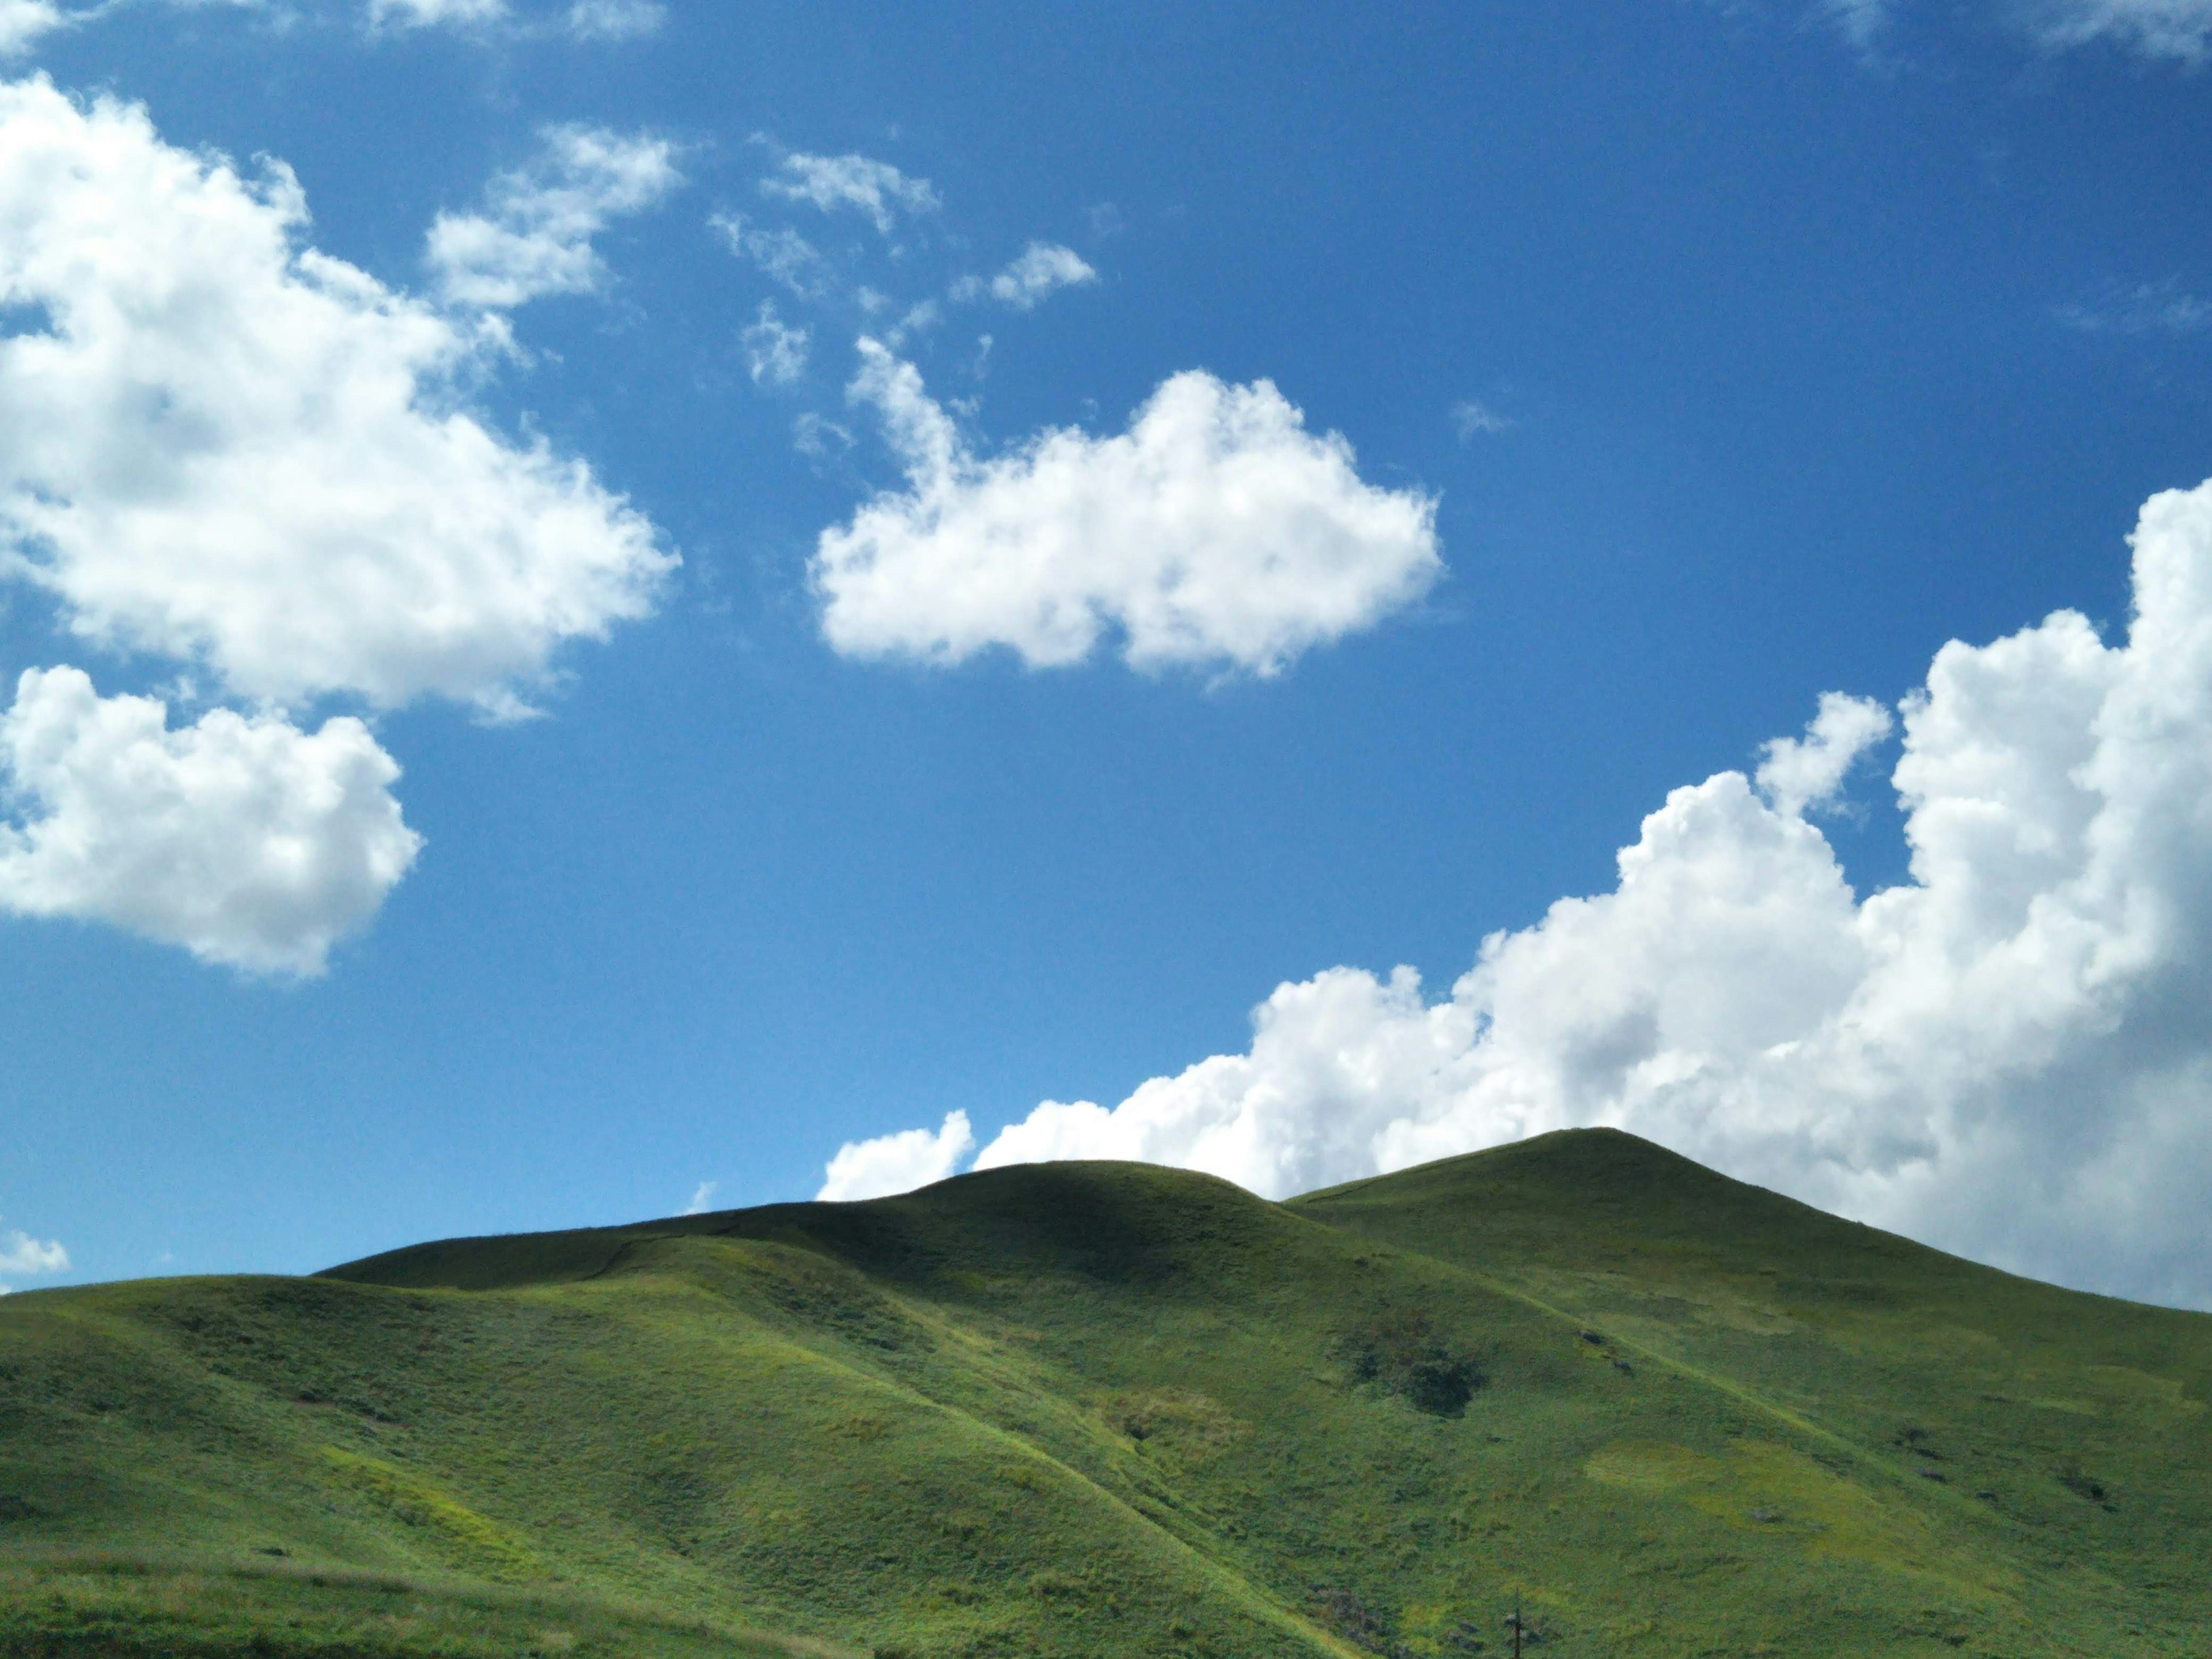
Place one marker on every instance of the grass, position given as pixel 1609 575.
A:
pixel 1100 1409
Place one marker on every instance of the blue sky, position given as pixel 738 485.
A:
pixel 682 654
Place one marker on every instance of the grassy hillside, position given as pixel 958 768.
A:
pixel 1110 1409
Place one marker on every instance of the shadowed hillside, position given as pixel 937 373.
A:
pixel 1114 1409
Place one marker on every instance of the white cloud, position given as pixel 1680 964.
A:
pixel 2147 308
pixel 2006 1055
pixel 1216 530
pixel 24 23
pixel 701 1196
pixel 1795 774
pixel 2180 29
pixel 918 319
pixel 1860 21
pixel 782 254
pixel 234 450
pixel 775 351
pixel 1043 268
pixel 817 436
pixel 615 20
pixel 248 841
pixel 875 188
pixel 581 20
pixel 1472 418
pixel 536 239
pixel 432 14
pixel 897 1163
pixel 22 1256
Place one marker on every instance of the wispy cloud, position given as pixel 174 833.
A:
pixel 435 13
pixel 1472 418
pixel 781 254
pixel 2149 308
pixel 1861 21
pixel 614 20
pixel 776 352
pixel 581 20
pixel 830 182
pixel 2180 30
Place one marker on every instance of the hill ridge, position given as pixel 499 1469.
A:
pixel 1105 1408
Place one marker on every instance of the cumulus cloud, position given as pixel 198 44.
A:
pixel 537 237
pixel 247 841
pixel 227 448
pixel 1042 269
pixel 701 1196
pixel 2178 29
pixel 22 1256
pixel 2005 1055
pixel 830 182
pixel 1216 530
pixel 776 352
pixel 1798 773
pixel 897 1163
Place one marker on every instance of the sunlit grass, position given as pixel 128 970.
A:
pixel 1109 1409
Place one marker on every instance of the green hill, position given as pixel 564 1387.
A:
pixel 1104 1409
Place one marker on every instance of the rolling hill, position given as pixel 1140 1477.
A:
pixel 1108 1409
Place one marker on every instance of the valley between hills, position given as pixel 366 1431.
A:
pixel 1111 1409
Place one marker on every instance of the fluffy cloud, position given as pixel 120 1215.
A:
pixel 537 238
pixel 226 448
pixel 248 841
pixel 2007 1055
pixel 1043 268
pixel 1216 530
pixel 1798 773
pixel 830 182
pixel 2180 29
pixel 897 1163
pixel 24 22
pixel 775 351
pixel 22 1256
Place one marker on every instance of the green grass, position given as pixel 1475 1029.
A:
pixel 1098 1409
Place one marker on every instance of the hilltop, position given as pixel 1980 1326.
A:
pixel 1105 1409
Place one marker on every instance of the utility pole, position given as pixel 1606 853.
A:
pixel 1516 1624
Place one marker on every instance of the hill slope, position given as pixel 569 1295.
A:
pixel 1114 1409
